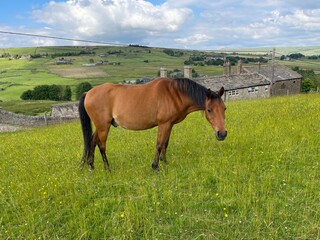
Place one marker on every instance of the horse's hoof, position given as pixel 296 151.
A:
pixel 91 167
pixel 156 167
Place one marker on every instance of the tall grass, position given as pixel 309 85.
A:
pixel 262 182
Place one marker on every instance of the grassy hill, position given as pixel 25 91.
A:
pixel 262 182
pixel 20 74
pixel 307 51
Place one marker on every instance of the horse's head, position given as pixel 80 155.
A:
pixel 214 110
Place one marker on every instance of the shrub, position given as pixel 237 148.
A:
pixel 307 85
pixel 81 88
pixel 48 92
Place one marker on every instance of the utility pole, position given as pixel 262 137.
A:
pixel 272 71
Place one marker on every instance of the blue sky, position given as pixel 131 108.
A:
pixel 184 24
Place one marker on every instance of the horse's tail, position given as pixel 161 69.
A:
pixel 86 128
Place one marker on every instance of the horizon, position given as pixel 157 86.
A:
pixel 190 25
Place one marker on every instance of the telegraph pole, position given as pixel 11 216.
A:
pixel 272 71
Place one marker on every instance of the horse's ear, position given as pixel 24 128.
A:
pixel 208 94
pixel 220 92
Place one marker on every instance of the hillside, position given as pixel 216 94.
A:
pixel 19 72
pixel 17 75
pixel 262 182
pixel 307 51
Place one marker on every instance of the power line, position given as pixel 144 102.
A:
pixel 62 38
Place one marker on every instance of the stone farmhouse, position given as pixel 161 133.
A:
pixel 252 81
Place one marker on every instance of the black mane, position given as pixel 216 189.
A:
pixel 194 90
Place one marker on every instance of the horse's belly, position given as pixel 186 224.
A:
pixel 135 123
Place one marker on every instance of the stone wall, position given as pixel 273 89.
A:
pixel 69 110
pixel 286 87
pixel 32 121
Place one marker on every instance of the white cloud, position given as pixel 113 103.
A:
pixel 194 39
pixel 90 18
pixel 303 19
pixel 196 24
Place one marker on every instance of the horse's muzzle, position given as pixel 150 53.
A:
pixel 221 135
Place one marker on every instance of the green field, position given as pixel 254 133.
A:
pixel 262 182
pixel 307 51
pixel 18 75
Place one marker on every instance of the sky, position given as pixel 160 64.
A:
pixel 182 24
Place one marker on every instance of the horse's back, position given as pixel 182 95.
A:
pixel 130 106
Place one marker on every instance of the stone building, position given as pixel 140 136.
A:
pixel 254 81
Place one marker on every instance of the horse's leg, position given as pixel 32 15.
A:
pixel 94 142
pixel 162 143
pixel 103 135
pixel 163 154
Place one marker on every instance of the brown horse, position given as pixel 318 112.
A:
pixel 162 102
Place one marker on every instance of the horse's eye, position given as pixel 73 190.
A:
pixel 209 110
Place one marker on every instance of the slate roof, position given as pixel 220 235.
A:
pixel 234 81
pixel 250 78
pixel 281 72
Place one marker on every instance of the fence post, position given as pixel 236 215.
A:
pixel 45 119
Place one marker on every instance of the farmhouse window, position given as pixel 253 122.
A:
pixel 253 89
pixel 266 88
pixel 234 92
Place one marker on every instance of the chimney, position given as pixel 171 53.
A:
pixel 187 72
pixel 227 68
pixel 163 72
pixel 239 67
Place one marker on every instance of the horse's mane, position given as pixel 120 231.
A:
pixel 194 91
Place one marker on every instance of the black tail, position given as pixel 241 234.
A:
pixel 86 128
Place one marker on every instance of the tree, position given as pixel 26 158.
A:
pixel 67 94
pixel 307 85
pixel 41 92
pixel 81 88
pixel 48 92
pixel 55 93
pixel 27 95
pixel 296 55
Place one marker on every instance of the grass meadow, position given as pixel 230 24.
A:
pixel 262 182
pixel 19 75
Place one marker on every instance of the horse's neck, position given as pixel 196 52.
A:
pixel 189 103
pixel 194 108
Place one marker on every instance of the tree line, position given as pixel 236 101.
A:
pixel 55 92
pixel 296 56
pixel 202 60
pixel 53 55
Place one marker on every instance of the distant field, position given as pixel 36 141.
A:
pixel 262 182
pixel 307 51
pixel 79 72
pixel 304 64
pixel 17 76
pixel 29 107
